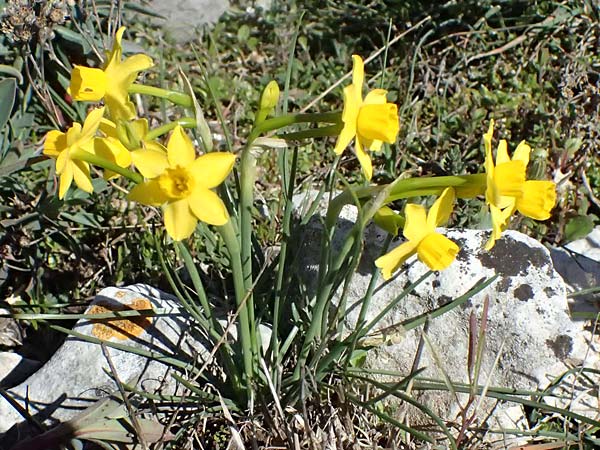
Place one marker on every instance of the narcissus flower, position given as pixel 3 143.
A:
pixel 508 190
pixel 183 186
pixel 432 248
pixel 370 122
pixel 61 146
pixel 126 144
pixel 111 83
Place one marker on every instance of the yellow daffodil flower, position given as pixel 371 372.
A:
pixel 508 190
pixel 111 83
pixel 433 249
pixel 183 186
pixel 60 146
pixel 370 122
pixel 128 144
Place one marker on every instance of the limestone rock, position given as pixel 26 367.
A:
pixel 184 17
pixel 529 325
pixel 14 368
pixel 579 264
pixel 78 373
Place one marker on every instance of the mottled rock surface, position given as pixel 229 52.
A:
pixel 78 373
pixel 529 324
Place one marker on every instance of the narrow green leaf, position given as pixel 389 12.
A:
pixel 8 93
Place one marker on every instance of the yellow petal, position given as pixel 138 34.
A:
pixel 415 227
pixel 378 121
pixel 539 197
pixel 437 251
pixel 375 145
pixel 440 211
pixel 151 162
pixel 119 107
pixel 179 220
pixel 132 65
pixel 376 97
pixel 391 261
pixel 208 207
pixel 349 116
pixel 487 139
pixel 148 193
pixel 364 159
pixel 211 169
pixel 112 150
pixel 61 161
pixel 91 124
pixel 358 75
pixel 388 220
pixel 180 149
pixel 509 179
pixel 87 84
pixel 66 177
pixel 73 134
pixel 345 137
pixel 54 143
pixel 115 55
pixel 522 153
pixel 499 223
pixel 502 153
pixel 108 127
pixel 81 175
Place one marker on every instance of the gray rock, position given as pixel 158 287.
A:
pixel 14 368
pixel 78 373
pixel 579 264
pixel 184 17
pixel 529 325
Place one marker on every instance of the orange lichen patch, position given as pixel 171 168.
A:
pixel 120 328
pixel 120 294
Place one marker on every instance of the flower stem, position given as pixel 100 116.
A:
pixel 466 186
pixel 331 130
pixel 106 164
pixel 291 119
pixel 230 238
pixel 185 122
pixel 179 98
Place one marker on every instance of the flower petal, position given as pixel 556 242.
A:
pixel 386 219
pixel 180 149
pixel 208 207
pixel 134 64
pixel 91 124
pixel 211 169
pixel 179 220
pixel 539 197
pixel 378 121
pixel 391 261
pixel 358 75
pixel 440 211
pixel 437 251
pixel 55 142
pixel 66 178
pixel 364 159
pixel 376 97
pixel 87 84
pixel 415 226
pixel 148 193
pixel 502 153
pixel 522 153
pixel 114 57
pixel 499 223
pixel 349 116
pixel 509 178
pixel 151 162
pixel 81 175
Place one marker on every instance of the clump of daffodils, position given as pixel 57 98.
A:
pixel 172 175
